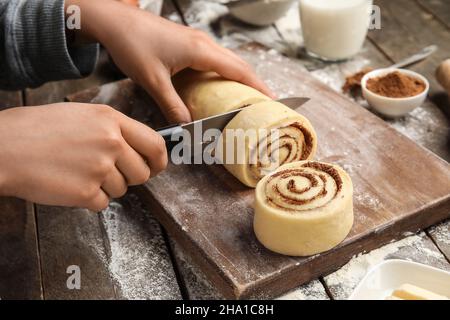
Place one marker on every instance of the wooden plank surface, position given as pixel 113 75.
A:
pixel 404 32
pixel 439 8
pixel 137 256
pixel 234 260
pixel 428 126
pixel 20 276
pixel 71 236
pixel 78 237
pixel 441 237
pixel 418 248
pixel 416 28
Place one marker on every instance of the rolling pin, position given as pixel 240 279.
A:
pixel 443 75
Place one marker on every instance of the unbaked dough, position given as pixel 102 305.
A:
pixel 303 208
pixel 207 94
pixel 290 137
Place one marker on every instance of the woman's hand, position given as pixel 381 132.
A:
pixel 150 50
pixel 75 154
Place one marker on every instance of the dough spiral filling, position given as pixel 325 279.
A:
pixel 303 208
pixel 310 186
pixel 265 136
pixel 293 142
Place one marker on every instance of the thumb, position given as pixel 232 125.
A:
pixel 168 100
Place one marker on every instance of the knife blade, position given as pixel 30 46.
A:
pixel 194 131
pixel 294 102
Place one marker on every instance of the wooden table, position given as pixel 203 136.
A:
pixel 123 253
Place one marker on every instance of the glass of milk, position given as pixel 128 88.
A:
pixel 334 30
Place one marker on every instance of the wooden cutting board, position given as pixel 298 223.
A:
pixel 399 186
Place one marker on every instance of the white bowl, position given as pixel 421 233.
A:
pixel 259 12
pixel 389 275
pixel 393 107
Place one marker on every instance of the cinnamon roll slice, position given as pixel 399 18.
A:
pixel 303 208
pixel 263 137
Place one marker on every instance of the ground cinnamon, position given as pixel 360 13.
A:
pixel 396 85
pixel 353 82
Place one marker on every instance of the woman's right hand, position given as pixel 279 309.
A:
pixel 75 155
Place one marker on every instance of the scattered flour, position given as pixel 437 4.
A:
pixel 138 259
pixel 333 75
pixel 427 126
pixel 89 238
pixel 417 247
pixel 441 233
pixel 367 201
pixel 311 291
pixel 197 286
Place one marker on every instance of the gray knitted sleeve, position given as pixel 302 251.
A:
pixel 33 47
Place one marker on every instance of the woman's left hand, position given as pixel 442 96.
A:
pixel 150 50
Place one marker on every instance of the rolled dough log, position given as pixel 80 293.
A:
pixel 288 137
pixel 207 94
pixel 303 208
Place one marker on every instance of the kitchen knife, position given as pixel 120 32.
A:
pixel 174 133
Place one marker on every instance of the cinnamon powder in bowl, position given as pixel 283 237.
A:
pixel 394 92
pixel 396 85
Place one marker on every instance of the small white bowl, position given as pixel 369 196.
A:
pixel 393 107
pixel 389 275
pixel 259 12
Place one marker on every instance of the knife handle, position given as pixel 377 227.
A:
pixel 168 132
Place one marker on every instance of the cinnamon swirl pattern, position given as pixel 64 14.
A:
pixel 283 136
pixel 303 208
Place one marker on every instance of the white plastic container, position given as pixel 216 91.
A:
pixel 389 275
pixel 334 30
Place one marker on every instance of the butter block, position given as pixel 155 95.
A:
pixel 393 298
pixel 410 292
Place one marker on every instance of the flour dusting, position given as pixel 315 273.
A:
pixel 367 200
pixel 311 291
pixel 138 262
pixel 334 74
pixel 427 126
pixel 416 248
pixel 441 233
pixel 197 286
